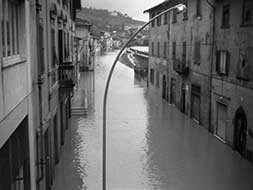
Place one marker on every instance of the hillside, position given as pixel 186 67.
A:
pixel 108 21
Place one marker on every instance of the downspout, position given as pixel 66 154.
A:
pixel 39 136
pixel 211 70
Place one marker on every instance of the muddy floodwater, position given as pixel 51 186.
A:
pixel 150 144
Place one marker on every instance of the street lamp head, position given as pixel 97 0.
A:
pixel 181 7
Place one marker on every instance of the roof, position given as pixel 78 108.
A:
pixel 165 5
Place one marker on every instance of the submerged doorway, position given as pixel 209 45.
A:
pixel 240 131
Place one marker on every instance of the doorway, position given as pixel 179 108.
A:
pixel 240 131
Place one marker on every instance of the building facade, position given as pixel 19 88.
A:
pixel 180 57
pixel 232 81
pixel 200 61
pixel 37 77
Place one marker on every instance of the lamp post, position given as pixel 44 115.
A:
pixel 180 7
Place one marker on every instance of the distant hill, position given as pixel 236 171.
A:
pixel 108 21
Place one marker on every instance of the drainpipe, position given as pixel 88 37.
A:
pixel 39 135
pixel 211 69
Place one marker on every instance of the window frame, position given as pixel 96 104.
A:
pixel 244 6
pixel 174 51
pixel 198 8
pixel 225 23
pixel 174 15
pixel 165 49
pixel 158 49
pixel 184 52
pixel 10 29
pixel 197 52
pixel 222 62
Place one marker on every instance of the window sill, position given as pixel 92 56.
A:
pixel 12 61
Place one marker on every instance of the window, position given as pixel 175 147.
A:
pixel 185 14
pixel 165 16
pixel 10 28
pixel 53 53
pixel 157 79
pixel 158 20
pixel 222 58
pixel 53 57
pixel 225 16
pixel 152 76
pixel 41 66
pixel 174 16
pixel 165 50
pixel 247 16
pixel 197 53
pixel 184 53
pixel 152 48
pixel 174 49
pixel 158 49
pixel 198 8
pixel 153 22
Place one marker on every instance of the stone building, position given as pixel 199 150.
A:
pixel 200 61
pixel 181 55
pixel 232 79
pixel 36 80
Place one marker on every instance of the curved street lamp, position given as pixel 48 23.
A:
pixel 179 7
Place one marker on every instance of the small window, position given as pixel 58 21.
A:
pixel 174 49
pixel 153 22
pixel 152 76
pixel 174 16
pixel 158 20
pixel 184 53
pixel 10 28
pixel 152 48
pixel 165 20
pixel 222 58
pixel 225 16
pixel 185 14
pixel 165 50
pixel 158 49
pixel 157 79
pixel 197 52
pixel 247 16
pixel 198 8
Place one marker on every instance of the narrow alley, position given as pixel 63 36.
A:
pixel 150 144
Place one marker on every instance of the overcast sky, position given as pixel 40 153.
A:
pixel 133 8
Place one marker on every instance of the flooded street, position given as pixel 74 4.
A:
pixel 150 144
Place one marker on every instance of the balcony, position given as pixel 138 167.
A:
pixel 180 67
pixel 67 75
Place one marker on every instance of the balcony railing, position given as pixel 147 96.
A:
pixel 180 67
pixel 67 75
